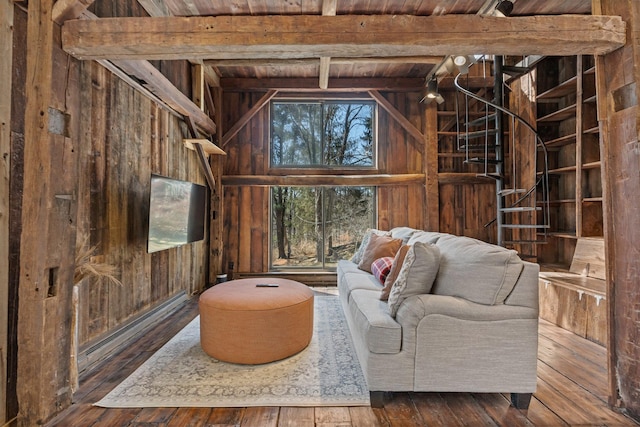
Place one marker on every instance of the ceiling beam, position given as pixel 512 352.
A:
pixel 276 62
pixel 311 84
pixel 329 8
pixel 313 36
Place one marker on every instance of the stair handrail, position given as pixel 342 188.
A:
pixel 544 178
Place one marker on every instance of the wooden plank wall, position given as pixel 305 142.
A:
pixel 617 77
pixel 6 52
pixel 83 146
pixel 125 138
pixel 246 208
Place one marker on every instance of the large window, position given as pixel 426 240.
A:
pixel 314 227
pixel 322 134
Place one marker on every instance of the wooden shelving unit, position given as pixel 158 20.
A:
pixel 567 122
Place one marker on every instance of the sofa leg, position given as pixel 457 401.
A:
pixel 377 399
pixel 521 400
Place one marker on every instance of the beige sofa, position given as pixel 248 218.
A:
pixel 476 331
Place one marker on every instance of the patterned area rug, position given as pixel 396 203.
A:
pixel 181 374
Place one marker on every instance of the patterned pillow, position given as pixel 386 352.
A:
pixel 417 275
pixel 357 257
pixel 381 268
pixel 393 273
pixel 378 247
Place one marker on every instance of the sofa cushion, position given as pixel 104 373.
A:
pixel 357 256
pixel 378 247
pixel 393 273
pixel 372 321
pixel 425 237
pixel 417 274
pixel 403 233
pixel 381 267
pixel 476 270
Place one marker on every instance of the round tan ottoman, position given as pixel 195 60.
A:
pixel 244 323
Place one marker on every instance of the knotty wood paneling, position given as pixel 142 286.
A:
pixel 246 208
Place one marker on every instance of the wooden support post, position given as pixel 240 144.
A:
pixel 216 224
pixel 432 186
pixel 48 237
pixel 6 49
pixel 618 90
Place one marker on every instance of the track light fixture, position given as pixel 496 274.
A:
pixel 432 91
pixel 504 8
pixel 432 88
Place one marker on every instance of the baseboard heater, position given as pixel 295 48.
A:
pixel 90 355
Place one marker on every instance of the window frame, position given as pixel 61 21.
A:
pixel 323 267
pixel 326 168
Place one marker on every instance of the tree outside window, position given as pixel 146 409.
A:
pixel 314 227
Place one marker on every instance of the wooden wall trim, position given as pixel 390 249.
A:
pixel 6 52
pixel 323 180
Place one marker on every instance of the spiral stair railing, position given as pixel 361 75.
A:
pixel 536 196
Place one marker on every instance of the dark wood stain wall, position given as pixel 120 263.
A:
pixel 246 208
pixel 104 139
pixel 124 137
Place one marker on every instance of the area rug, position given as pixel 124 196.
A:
pixel 181 374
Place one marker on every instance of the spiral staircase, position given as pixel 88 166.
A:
pixel 495 141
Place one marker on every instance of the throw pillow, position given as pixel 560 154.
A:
pixel 357 256
pixel 393 273
pixel 417 275
pixel 378 247
pixel 381 267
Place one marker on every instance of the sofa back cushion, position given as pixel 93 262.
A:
pixel 425 237
pixel 476 270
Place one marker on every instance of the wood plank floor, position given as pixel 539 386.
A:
pixel 572 391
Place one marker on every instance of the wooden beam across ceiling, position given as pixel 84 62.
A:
pixel 312 36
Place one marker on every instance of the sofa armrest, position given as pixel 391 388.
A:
pixel 418 307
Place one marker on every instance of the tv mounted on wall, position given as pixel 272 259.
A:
pixel 177 212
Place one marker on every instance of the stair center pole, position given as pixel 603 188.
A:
pixel 499 100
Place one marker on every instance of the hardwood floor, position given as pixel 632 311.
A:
pixel 572 390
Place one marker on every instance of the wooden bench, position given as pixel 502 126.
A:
pixel 586 275
pixel 562 291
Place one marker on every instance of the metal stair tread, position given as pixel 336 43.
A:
pixel 524 226
pixel 521 209
pixel 481 161
pixel 477 134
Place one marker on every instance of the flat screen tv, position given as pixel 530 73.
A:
pixel 177 212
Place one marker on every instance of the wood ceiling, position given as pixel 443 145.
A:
pixel 320 44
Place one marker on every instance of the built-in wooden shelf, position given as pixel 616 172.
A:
pixel 592 131
pixel 559 115
pixel 592 199
pixel 561 140
pixel 592 165
pixel 590 100
pixel 565 88
pixel 208 146
pixel 564 169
